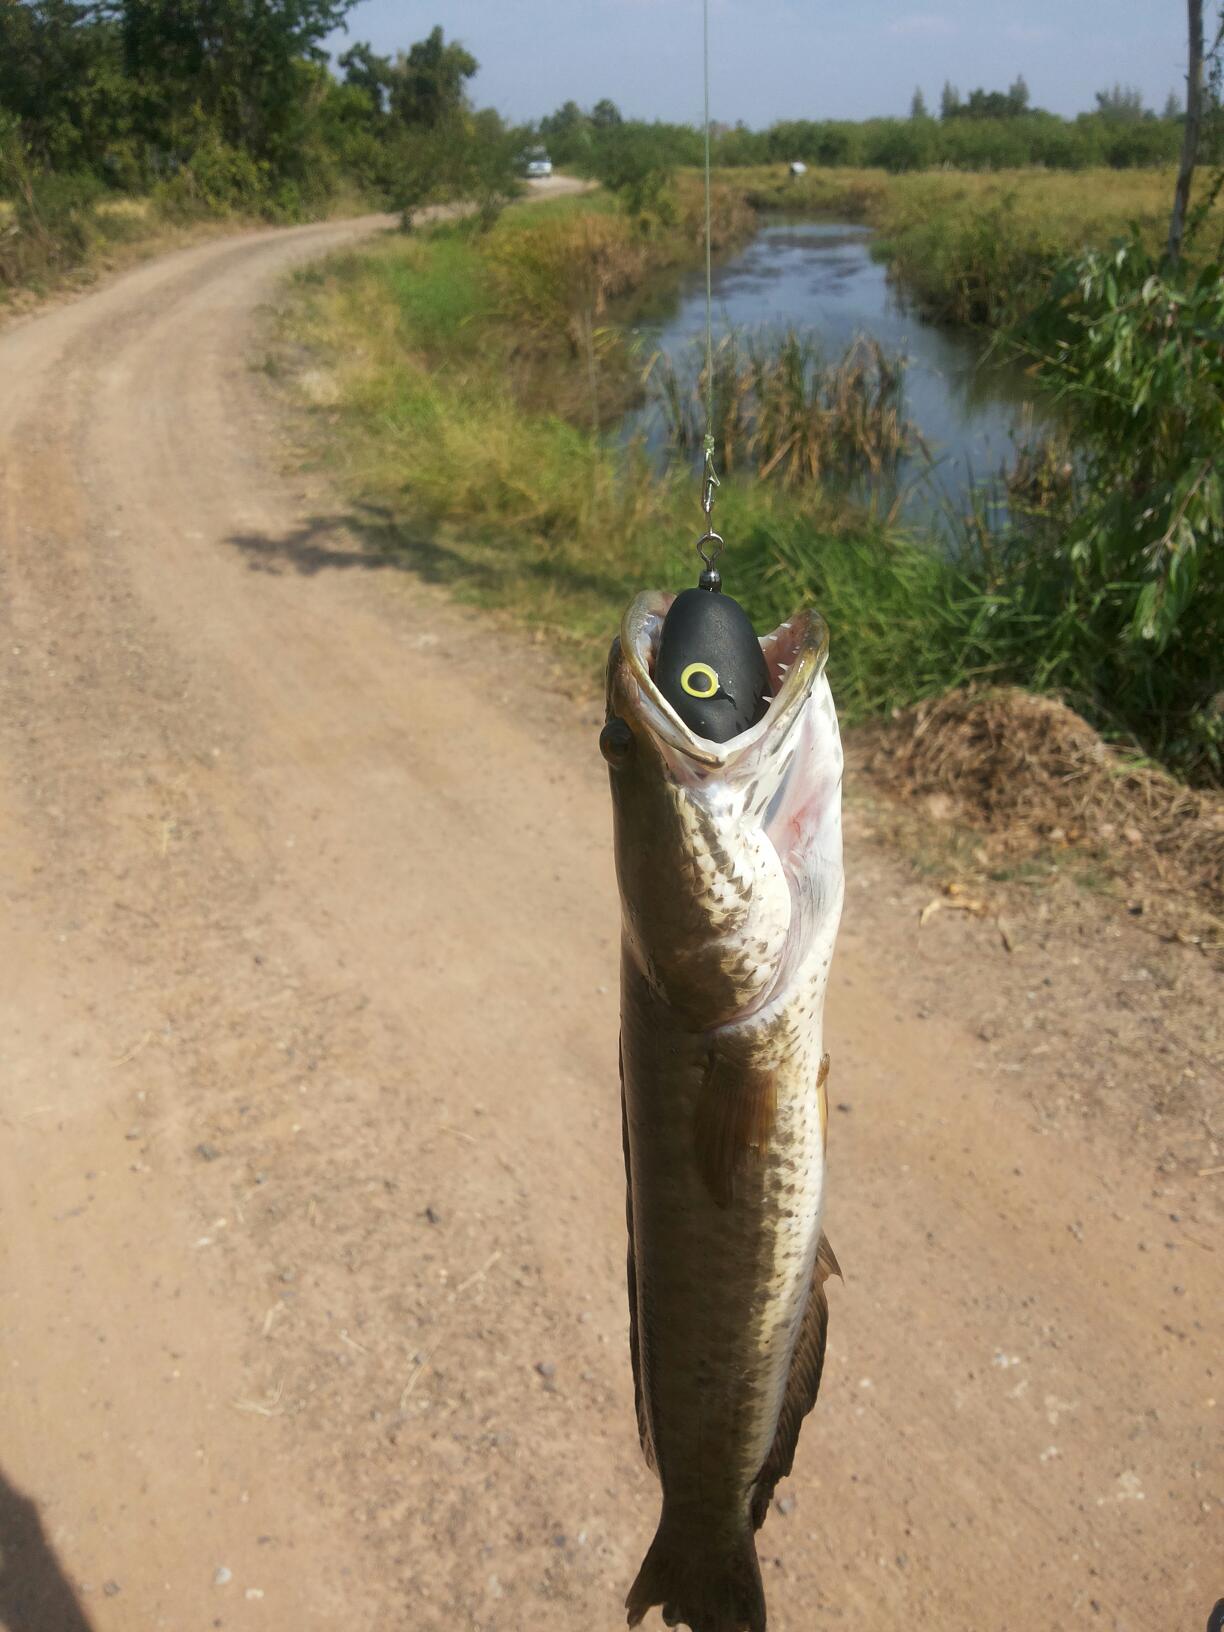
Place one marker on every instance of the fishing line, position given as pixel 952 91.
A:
pixel 709 480
pixel 709 664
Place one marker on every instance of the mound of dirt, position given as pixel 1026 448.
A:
pixel 1032 774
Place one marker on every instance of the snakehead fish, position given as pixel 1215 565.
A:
pixel 729 862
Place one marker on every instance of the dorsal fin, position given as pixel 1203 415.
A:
pixel 635 1352
pixel 802 1385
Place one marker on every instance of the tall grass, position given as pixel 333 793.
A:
pixel 562 275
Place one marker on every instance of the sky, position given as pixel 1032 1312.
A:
pixel 790 59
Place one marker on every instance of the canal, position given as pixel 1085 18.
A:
pixel 820 278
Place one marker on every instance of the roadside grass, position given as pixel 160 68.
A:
pixel 978 247
pixel 44 248
pixel 61 229
pixel 44 239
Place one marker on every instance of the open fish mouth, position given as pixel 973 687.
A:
pixel 728 853
pixel 795 655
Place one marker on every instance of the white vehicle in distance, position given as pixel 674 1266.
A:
pixel 538 163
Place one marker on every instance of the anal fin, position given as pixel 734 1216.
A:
pixel 802 1385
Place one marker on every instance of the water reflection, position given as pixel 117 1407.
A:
pixel 820 277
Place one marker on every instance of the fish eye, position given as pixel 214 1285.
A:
pixel 699 680
pixel 616 742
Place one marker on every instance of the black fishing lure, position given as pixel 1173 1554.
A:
pixel 710 666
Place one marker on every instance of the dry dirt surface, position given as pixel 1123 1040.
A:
pixel 311 1201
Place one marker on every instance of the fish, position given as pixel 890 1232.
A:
pixel 729 866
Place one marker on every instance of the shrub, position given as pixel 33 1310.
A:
pixel 898 145
pixel 560 274
pixel 51 224
pixel 1132 349
pixel 217 179
pixel 633 162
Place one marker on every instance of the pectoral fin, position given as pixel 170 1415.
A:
pixel 736 1112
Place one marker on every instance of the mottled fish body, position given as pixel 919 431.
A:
pixel 729 863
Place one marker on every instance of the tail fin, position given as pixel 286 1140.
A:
pixel 699 1585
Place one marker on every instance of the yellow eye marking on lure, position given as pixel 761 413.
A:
pixel 699 671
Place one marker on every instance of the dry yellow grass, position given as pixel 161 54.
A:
pixel 125 209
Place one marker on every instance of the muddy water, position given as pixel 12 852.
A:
pixel 820 277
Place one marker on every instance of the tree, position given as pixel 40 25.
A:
pixel 918 107
pixel 1172 107
pixel 1190 136
pixel 465 156
pixel 238 61
pixel 364 68
pixel 1122 103
pixel 1119 343
pixel 567 132
pixel 949 101
pixel 983 104
pixel 429 84
pixel 633 161
pixel 605 115
pixel 567 119
pixel 61 76
pixel 899 144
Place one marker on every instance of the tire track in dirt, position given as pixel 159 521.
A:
pixel 312 1223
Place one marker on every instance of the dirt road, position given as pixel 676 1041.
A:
pixel 310 1190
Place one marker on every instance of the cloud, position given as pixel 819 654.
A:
pixel 923 22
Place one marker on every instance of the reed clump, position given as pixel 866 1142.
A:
pixel 780 409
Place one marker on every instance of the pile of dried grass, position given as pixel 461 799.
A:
pixel 1031 773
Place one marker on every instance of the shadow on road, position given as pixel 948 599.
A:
pixel 34 1593
pixel 371 537
pixel 365 539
